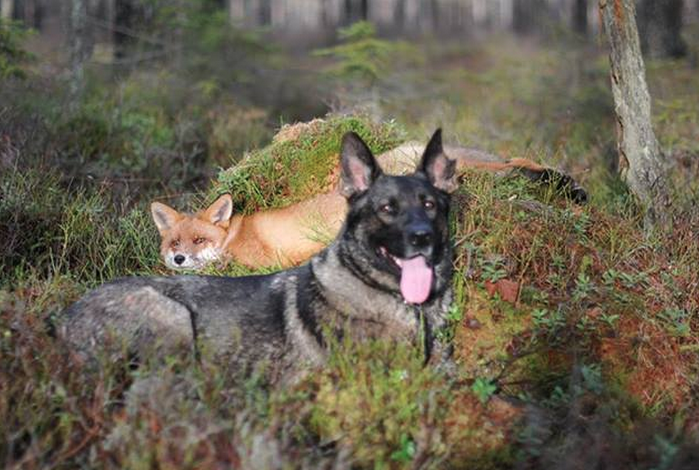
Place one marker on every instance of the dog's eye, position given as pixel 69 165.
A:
pixel 428 204
pixel 199 240
pixel 387 208
pixel 175 243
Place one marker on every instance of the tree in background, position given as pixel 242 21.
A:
pixel 641 161
pixel 580 17
pixel 77 41
pixel 359 62
pixel 7 9
pixel 660 24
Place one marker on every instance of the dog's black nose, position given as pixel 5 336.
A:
pixel 179 259
pixel 420 238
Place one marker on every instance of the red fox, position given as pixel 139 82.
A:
pixel 280 237
pixel 290 235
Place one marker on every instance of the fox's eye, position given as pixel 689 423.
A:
pixel 175 243
pixel 428 205
pixel 387 208
pixel 199 240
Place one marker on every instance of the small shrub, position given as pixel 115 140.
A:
pixel 13 56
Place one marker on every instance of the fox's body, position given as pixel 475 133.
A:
pixel 288 236
pixel 279 237
pixel 291 235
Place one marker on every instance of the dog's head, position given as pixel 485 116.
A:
pixel 397 231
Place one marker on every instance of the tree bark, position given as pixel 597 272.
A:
pixel 527 15
pixel 6 9
pixel 580 17
pixel 29 13
pixel 641 161
pixel 123 21
pixel 660 25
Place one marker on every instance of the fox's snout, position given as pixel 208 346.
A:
pixel 191 260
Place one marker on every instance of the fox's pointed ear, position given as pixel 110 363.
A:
pixel 220 211
pixel 439 169
pixel 165 217
pixel 359 167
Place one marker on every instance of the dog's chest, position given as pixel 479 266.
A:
pixel 359 310
pixel 383 318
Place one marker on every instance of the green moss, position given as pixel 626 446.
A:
pixel 289 171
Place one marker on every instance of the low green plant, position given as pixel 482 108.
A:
pixel 483 389
pixel 13 55
pixel 493 268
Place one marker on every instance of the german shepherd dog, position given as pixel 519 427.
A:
pixel 387 275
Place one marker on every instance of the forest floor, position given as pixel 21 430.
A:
pixel 575 333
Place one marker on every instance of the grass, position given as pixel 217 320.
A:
pixel 592 361
pixel 289 171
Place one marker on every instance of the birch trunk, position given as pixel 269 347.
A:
pixel 78 30
pixel 7 9
pixel 641 161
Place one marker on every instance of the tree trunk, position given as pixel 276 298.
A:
pixel 6 9
pixel 78 32
pixel 660 24
pixel 528 15
pixel 29 13
pixel 124 12
pixel 580 17
pixel 641 162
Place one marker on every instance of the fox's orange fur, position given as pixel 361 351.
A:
pixel 289 236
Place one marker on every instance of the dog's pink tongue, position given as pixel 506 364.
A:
pixel 415 280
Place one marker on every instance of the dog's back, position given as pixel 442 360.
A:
pixel 242 317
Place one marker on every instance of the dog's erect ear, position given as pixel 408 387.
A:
pixel 219 213
pixel 439 169
pixel 165 217
pixel 359 167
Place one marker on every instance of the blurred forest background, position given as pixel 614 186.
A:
pixel 161 92
pixel 107 105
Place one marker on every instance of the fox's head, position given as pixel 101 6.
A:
pixel 192 241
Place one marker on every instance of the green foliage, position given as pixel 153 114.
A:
pixel 483 389
pixel 360 57
pixel 379 397
pixel 13 56
pixel 492 269
pixel 406 450
pixel 292 170
pixel 51 231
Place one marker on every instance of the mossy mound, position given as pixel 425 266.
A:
pixel 301 161
pixel 548 288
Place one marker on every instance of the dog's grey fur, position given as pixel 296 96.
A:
pixel 287 319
